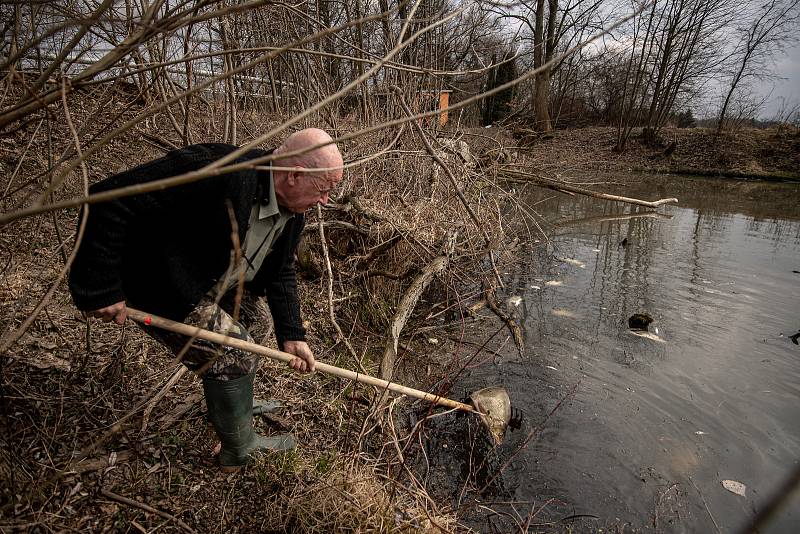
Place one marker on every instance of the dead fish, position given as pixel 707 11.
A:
pixel 514 301
pixel 494 406
pixel 554 283
pixel 647 335
pixel 574 262
pixel 563 313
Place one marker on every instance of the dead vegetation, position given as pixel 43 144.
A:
pixel 103 432
pixel 746 153
pixel 106 433
pixel 99 429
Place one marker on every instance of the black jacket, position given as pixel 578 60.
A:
pixel 163 251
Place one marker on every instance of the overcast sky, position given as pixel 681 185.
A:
pixel 787 67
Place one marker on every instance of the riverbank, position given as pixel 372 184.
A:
pixel 768 154
pixel 68 462
pixel 101 428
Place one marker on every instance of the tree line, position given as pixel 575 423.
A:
pixel 528 58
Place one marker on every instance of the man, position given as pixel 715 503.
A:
pixel 172 253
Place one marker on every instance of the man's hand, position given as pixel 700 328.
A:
pixel 305 358
pixel 116 312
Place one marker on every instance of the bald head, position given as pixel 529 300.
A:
pixel 320 158
pixel 302 187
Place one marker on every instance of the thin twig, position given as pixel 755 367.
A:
pixel 176 375
pixel 329 271
pixel 705 504
pixel 136 504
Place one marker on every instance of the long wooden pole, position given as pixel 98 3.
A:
pixel 193 331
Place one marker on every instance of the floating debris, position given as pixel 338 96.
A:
pixel 701 433
pixel 559 312
pixel 639 321
pixel 734 487
pixel 433 341
pixel 554 283
pixel 514 301
pixel 647 335
pixel 575 262
pixel 537 288
pixel 551 367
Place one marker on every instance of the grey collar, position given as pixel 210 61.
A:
pixel 270 207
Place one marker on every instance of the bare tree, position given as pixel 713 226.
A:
pixel 673 49
pixel 548 27
pixel 772 27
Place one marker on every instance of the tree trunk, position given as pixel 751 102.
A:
pixel 542 84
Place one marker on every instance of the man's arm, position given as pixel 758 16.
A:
pixel 277 280
pixel 95 279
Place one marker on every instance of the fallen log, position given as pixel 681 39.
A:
pixel 409 302
pixel 526 177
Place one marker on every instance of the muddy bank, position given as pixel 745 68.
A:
pixel 769 154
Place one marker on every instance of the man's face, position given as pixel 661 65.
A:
pixel 305 190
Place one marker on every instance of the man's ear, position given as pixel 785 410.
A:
pixel 293 177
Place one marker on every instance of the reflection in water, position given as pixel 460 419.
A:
pixel 654 427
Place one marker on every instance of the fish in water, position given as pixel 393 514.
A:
pixel 574 262
pixel 563 313
pixel 647 335
pixel 514 301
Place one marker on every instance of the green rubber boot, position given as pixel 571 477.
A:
pixel 267 406
pixel 230 410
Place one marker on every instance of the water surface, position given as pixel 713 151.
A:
pixel 653 428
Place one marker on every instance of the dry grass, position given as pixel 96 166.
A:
pixel 66 384
pixel 770 153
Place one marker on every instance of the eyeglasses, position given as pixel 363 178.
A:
pixel 326 189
